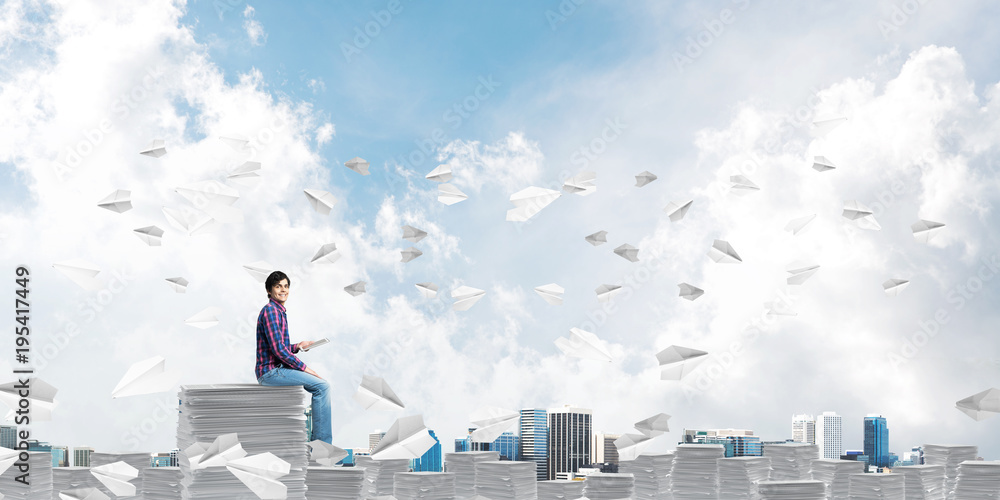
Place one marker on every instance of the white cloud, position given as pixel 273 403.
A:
pixel 255 30
pixel 511 163
pixel 325 133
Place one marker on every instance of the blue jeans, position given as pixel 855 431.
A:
pixel 320 390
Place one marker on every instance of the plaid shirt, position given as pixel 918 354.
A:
pixel 273 350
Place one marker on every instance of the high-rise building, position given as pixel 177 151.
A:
pixel 8 436
pixel 507 445
pixel 60 456
pixel 173 456
pixel 877 441
pixel 534 431
pixel 159 460
pixel 603 449
pixel 856 455
pixel 374 438
pixel 829 437
pixel 804 429
pixel 430 461
pixel 81 457
pixel 570 430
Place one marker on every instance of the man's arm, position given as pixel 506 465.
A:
pixel 277 342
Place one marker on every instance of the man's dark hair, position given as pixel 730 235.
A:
pixel 273 279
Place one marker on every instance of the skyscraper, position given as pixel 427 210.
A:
pixel 60 456
pixel 507 445
pixel 603 449
pixel 828 435
pixel 8 436
pixel 81 457
pixel 877 441
pixel 570 431
pixel 430 461
pixel 804 429
pixel 374 438
pixel 534 433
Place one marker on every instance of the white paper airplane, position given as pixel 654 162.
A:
pixel 260 473
pixel 321 201
pixel 597 238
pixel 237 142
pixel 88 493
pixel 427 289
pixel 375 394
pixel 779 308
pixel 358 164
pixel 581 184
pixel 925 230
pixel 628 252
pixel 465 297
pixel 583 344
pixel 441 173
pixel 407 438
pixel 981 406
pixel 145 377
pixel 630 446
pixel 325 453
pixel 821 164
pixel 206 318
pixel 607 292
pixel 151 235
pixel 116 476
pixel 739 184
pixel 552 293
pixel 178 284
pixel 677 210
pixel 823 126
pixel 327 254
pixel 676 362
pixel 356 288
pixel 154 149
pixel 450 195
pixel 413 234
pixel 724 253
pixel 491 422
pixel 220 452
pixel 259 270
pixel 643 178
pixel 800 273
pixel 119 201
pixel 7 458
pixel 81 272
pixel 41 398
pixel 795 226
pixel 246 173
pixel 690 292
pixel 410 254
pixel 654 426
pixel 861 215
pixel 894 286
pixel 529 201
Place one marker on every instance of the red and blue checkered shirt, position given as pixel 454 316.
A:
pixel 273 349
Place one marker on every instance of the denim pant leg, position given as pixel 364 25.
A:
pixel 320 390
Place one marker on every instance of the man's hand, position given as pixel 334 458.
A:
pixel 305 344
pixel 310 371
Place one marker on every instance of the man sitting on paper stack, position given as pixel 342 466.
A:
pixel 276 360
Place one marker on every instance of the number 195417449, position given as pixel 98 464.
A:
pixel 22 314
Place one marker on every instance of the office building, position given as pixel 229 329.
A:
pixel 507 445
pixel 374 438
pixel 737 442
pixel 173 456
pixel 570 430
pixel 856 455
pixel 430 461
pixel 603 449
pixel 534 432
pixel 60 456
pixel 914 457
pixel 81 457
pixel 804 429
pixel 829 437
pixel 877 441
pixel 8 436
pixel 160 460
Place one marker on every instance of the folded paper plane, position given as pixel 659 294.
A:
pixel 145 377
pixel 466 297
pixel 724 253
pixel 598 238
pixel 861 215
pixel 154 149
pixel 676 362
pixel 677 210
pixel 82 273
pixel 327 254
pixel 321 201
pixel 410 254
pixel 796 226
pixel 427 289
pixel 259 270
pixel 529 201
pixel 356 288
pixel 894 286
pixel 407 438
pixel 41 398
pixel 441 173
pixel 644 178
pixel 119 201
pixel 581 184
pixel 982 405
pixel 375 394
pixel 178 284
pixel 260 473
pixel 821 164
pixel 690 292
pixel 325 453
pixel 358 164
pixel 924 230
pixel 116 476
pixel 654 426
pixel 491 422
pixel 413 234
pixel 607 292
pixel 552 293
pixel 151 235
pixel 630 446
pixel 450 195
pixel 799 273
pixel 206 318
pixel 628 252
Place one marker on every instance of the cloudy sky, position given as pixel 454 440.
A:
pixel 512 95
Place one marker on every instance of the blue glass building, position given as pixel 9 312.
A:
pixel 877 441
pixel 508 445
pixel 534 445
pixel 160 461
pixel 429 461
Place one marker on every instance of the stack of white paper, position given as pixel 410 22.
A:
pixel 379 474
pixel 950 456
pixel 560 489
pixel 262 424
pixel 40 487
pixel 923 482
pixel 792 490
pixel 506 480
pixel 878 487
pixel 836 474
pixel 68 478
pixel 652 475
pixel 608 486
pixel 424 486
pixel 695 471
pixel 791 461
pixel 334 483
pixel 463 465
pixel 978 479
pixel 739 476
pixel 161 483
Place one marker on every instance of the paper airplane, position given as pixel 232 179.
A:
pixel 178 284
pixel 654 426
pixel 145 377
pixel 583 344
pixel 358 164
pixel 821 164
pixel 238 143
pixel 676 362
pixel 724 253
pixel 894 286
pixel 800 273
pixel 215 199
pixel 220 452
pixel 643 178
pixel 427 289
pixel 450 195
pixel 325 453
pixel 491 421
pixel 116 476
pixel 529 201
pixel 410 254
pixel 247 172
pixel 413 234
pixel 320 200
pixel 375 394
pixel 597 238
pixel 190 221
pixel 206 318
pixel 87 493
pixel 41 398
pixel 677 210
pixel 740 185
pixel 327 254
pixel 119 201
pixel 628 252
pixel 356 288
pixel 441 173
pixel 779 308
pixel 824 126
pixel 606 292
pixel 630 446
pixel 259 270
pixel 861 215
pixel 260 473
pixel 925 230
pixel 407 438
pixel 581 184
pixel 690 292
pixel 81 272
pixel 7 458
pixel 795 226
pixel 552 293
pixel 154 149
pixel 466 297
pixel 151 235
pixel 982 405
